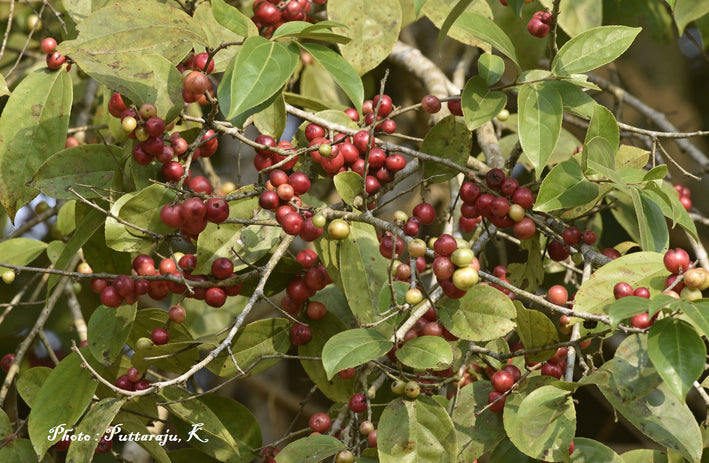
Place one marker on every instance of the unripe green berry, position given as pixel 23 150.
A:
pixel 398 387
pixel 412 389
pixel 8 276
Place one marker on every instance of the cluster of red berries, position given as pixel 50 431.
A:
pixel 540 23
pixel 623 289
pixel 422 214
pixel 572 236
pixel 125 289
pixel 192 215
pixel 270 14
pixel 502 381
pixel 132 380
pixel 685 196
pixel 456 269
pixel 55 60
pixel 497 208
pixel 302 287
pixel 196 83
pixel 282 195
pixel 556 365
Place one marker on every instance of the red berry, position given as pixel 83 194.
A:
pixel 676 260
pixel 431 104
pixel 524 229
pixel 496 401
pixel 558 295
pixel 48 45
pixel 320 422
pixel 572 236
pixel 55 60
pixel 641 320
pixel 502 381
pixel 589 237
pixel 215 297
pixel 222 268
pixel 455 107
pixel 300 335
pixel 110 297
pixel 7 361
pixel 217 210
pixel 622 289
pixel 557 251
pixel 358 403
pixel 552 369
pixel 524 197
pixel 160 336
pixel 171 215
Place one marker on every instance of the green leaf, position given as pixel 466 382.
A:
pixel 85 229
pixel 633 387
pixel 454 13
pixel 448 139
pixel 540 116
pixel 66 218
pixel 667 199
pixel 208 417
pixel 486 30
pixel 337 390
pixel 373 27
pixel 321 31
pixel 535 330
pixel 477 432
pixel 415 431
pixel 255 75
pixel 592 49
pixel 108 330
pixel 95 424
pixel 426 352
pixel 366 270
pixel 215 33
pixel 33 127
pixel 344 74
pixel 92 165
pixel 697 312
pixel 479 103
pixel 30 382
pixel 654 235
pixel 250 243
pixel 644 456
pixel 506 452
pixel 490 68
pixel 20 251
pixel 137 28
pixel 677 352
pixel 484 313
pixel 76 386
pixel 233 19
pixel 529 274
pixel 353 348
pixel 565 187
pixel 18 451
pixel 311 449
pixel 627 307
pixel 637 269
pixel 686 11
pixel 269 336
pixel 543 424
pixel 130 423
pixel 272 120
pixel 578 16
pixel 631 157
pixel 348 185
pixel 141 208
pixel 603 125
pixel 591 451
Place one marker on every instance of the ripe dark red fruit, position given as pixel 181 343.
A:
pixel 589 237
pixel 196 82
pixel 200 62
pixel 445 245
pixel 494 178
pixel 431 104
pixel 358 403
pixel 502 381
pixel 160 336
pixel 172 171
pixel 222 268
pixel 641 320
pixel 215 297
pixel 171 215
pixel 552 369
pixel 217 210
pixel 455 107
pixel 319 422
pixel 642 292
pixel 514 371
pixel 55 60
pixel 110 297
pixel 496 401
pixel 611 253
pixel 676 260
pixel 122 382
pixel 315 310
pixel 557 251
pixel 6 362
pixel 572 236
pixel 292 223
pixel 524 229
pixel 300 182
pixel 300 335
pixel 124 285
pixel 524 197
pixel 104 445
pixel 537 28
pixel 622 289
